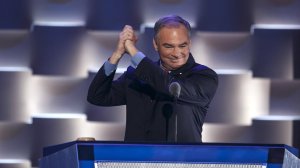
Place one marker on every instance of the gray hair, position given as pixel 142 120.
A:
pixel 172 21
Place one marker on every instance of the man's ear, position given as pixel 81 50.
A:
pixel 154 45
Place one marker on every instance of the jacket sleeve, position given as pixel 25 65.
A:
pixel 104 91
pixel 197 87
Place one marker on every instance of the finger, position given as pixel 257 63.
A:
pixel 128 27
pixel 126 36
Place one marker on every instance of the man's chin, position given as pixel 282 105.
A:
pixel 174 67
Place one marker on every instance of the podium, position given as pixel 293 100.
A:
pixel 99 154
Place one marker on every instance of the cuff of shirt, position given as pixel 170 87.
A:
pixel 109 68
pixel 137 58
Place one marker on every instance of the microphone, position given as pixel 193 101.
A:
pixel 175 89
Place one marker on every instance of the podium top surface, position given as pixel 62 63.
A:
pixel 55 148
pixel 85 154
pixel 229 152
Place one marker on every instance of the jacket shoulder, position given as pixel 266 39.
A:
pixel 199 68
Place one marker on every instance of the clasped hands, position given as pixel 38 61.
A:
pixel 126 44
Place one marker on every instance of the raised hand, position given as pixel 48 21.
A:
pixel 130 42
pixel 126 36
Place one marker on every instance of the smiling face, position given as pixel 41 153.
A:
pixel 173 45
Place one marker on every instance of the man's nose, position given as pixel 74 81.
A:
pixel 176 51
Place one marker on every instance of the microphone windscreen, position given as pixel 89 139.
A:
pixel 174 89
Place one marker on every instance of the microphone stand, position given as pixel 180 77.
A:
pixel 176 119
pixel 167 112
pixel 174 89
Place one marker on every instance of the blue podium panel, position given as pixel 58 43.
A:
pixel 98 154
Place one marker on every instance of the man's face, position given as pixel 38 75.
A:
pixel 173 46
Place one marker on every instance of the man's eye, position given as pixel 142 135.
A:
pixel 168 46
pixel 182 46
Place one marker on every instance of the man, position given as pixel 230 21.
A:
pixel 153 114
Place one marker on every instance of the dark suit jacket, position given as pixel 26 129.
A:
pixel 144 91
